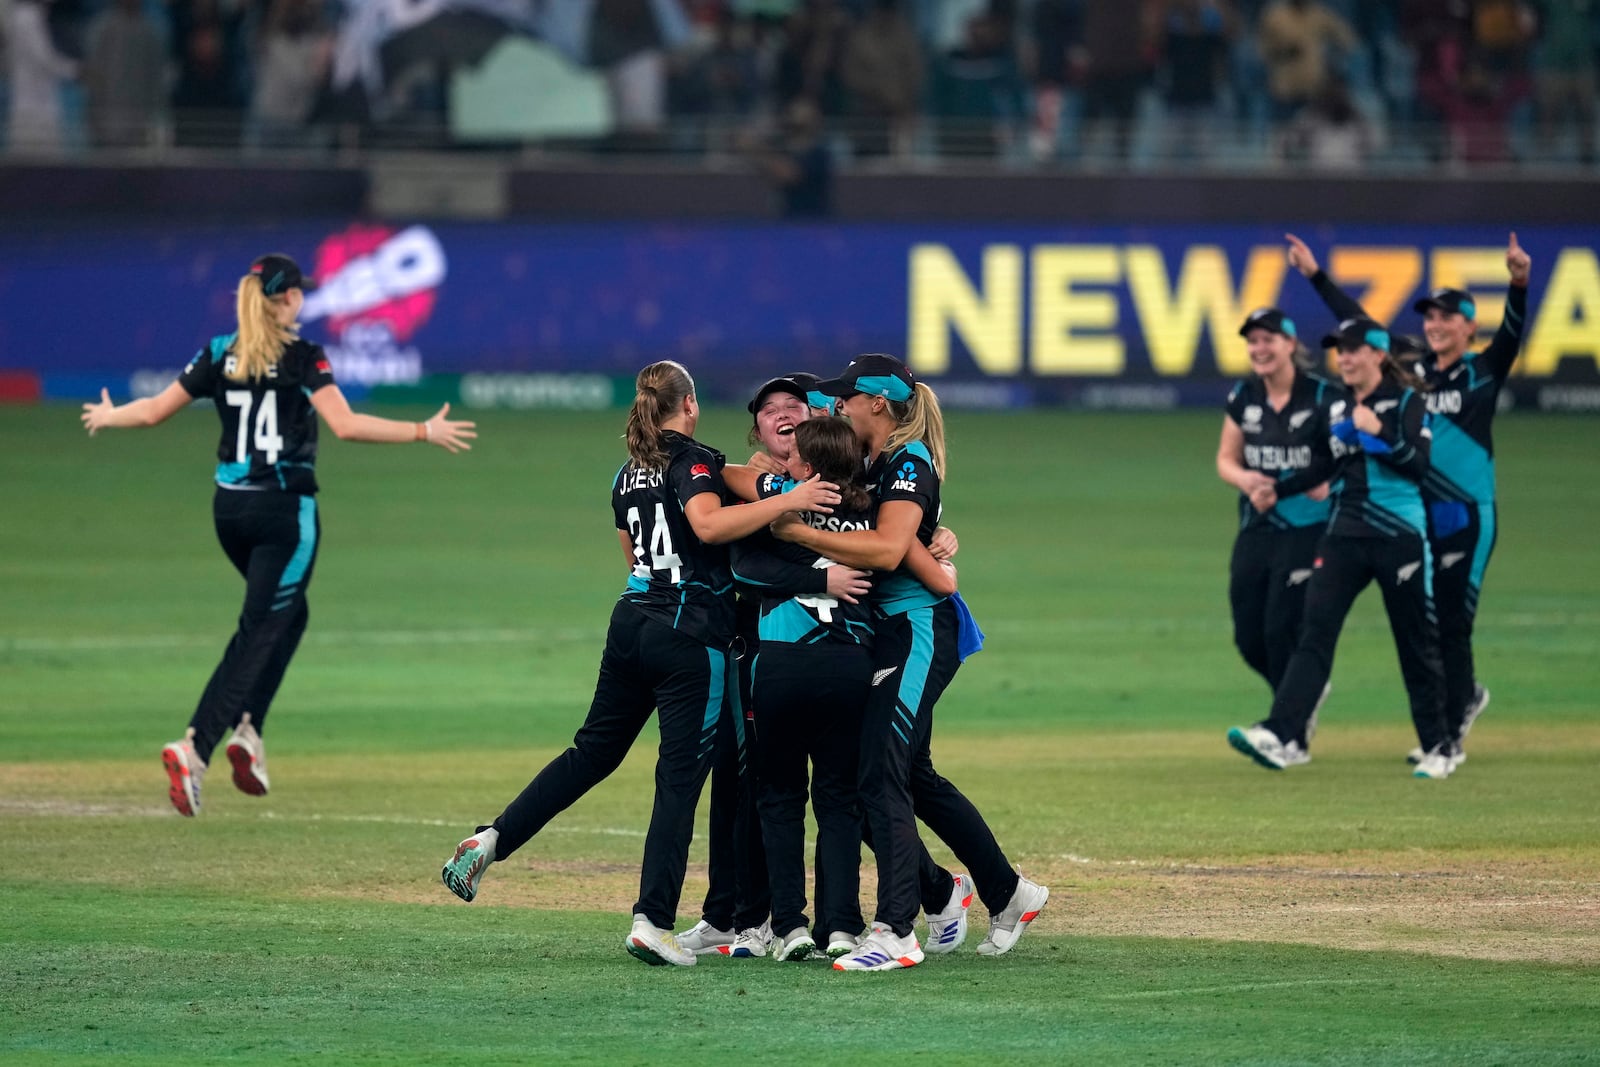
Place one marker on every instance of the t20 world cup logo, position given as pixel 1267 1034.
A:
pixel 376 287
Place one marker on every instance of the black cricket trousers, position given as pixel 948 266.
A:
pixel 737 896
pixel 647 666
pixel 1267 582
pixel 914 660
pixel 271 538
pixel 1344 567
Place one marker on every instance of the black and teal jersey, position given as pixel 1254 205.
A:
pixel 1376 487
pixel 906 474
pixel 792 579
pixel 269 427
pixel 677 579
pixel 1283 443
pixel 1463 402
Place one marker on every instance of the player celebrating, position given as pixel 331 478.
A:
pixel 269 385
pixel 666 650
pixel 1459 489
pixel 1274 419
pixel 1377 453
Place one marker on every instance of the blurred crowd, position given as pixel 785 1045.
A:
pixel 1327 83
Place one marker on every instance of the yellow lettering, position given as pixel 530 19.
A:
pixel 1391 276
pixel 1568 322
pixel 988 320
pixel 1469 269
pixel 1171 321
pixel 1058 312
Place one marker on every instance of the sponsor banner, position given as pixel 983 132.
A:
pixel 545 315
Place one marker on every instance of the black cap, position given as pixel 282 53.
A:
pixel 278 274
pixel 1269 319
pixel 1454 300
pixel 1353 333
pixel 877 374
pixel 798 385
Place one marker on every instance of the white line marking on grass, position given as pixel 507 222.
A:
pixel 1242 987
pixel 343 638
pixel 75 809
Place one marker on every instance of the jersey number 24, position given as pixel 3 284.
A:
pixel 661 556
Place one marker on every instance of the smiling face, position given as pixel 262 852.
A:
pixel 1361 367
pixel 776 419
pixel 1270 352
pixel 1448 332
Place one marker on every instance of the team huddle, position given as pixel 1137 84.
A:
pixel 792 622
pixel 1386 476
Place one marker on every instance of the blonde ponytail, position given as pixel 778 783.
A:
pixel 262 338
pixel 919 419
pixel 659 392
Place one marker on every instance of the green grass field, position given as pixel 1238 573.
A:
pixel 1203 910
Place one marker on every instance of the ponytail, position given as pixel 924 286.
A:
pixel 919 419
pixel 261 338
pixel 659 393
pixel 1403 374
pixel 834 451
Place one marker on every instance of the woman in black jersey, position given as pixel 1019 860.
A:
pixel 915 657
pixel 1459 490
pixel 268 386
pixel 810 683
pixel 1274 417
pixel 666 650
pixel 1376 454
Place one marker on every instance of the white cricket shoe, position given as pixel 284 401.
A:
pixel 185 771
pixel 1480 700
pixel 1294 755
pixel 1005 928
pixel 656 946
pixel 463 871
pixel 750 942
pixel 881 950
pixel 1260 744
pixel 1438 762
pixel 947 929
pixel 703 938
pixel 840 943
pixel 248 754
pixel 795 945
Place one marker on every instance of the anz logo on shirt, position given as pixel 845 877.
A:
pixel 906 479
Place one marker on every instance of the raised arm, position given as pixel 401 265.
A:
pixel 146 411
pixel 1337 300
pixel 1507 342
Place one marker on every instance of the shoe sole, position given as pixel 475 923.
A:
pixel 244 772
pixel 796 954
pixel 1021 928
pixel 1239 741
pixel 641 951
pixel 1466 724
pixel 463 887
pixel 177 777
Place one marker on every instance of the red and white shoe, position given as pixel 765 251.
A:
pixel 1005 928
pixel 185 770
pixel 248 754
pixel 948 929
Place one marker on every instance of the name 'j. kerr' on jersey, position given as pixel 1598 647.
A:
pixel 269 426
pixel 1281 443
pixel 676 578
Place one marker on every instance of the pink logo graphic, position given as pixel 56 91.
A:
pixel 372 274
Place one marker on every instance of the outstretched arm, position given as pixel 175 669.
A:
pixel 347 425
pixel 146 411
pixel 879 549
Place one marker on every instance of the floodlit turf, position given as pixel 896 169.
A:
pixel 1203 910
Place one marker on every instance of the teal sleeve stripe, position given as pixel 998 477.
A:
pixel 296 570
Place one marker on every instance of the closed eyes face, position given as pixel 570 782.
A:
pixel 776 419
